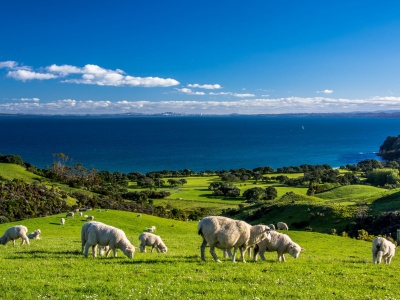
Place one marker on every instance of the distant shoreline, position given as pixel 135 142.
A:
pixel 377 114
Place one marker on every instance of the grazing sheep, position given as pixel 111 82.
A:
pixel 90 218
pixel 62 220
pixel 80 214
pixel 271 226
pixel 96 233
pixel 151 229
pixel 382 248
pixel 282 226
pixel 225 233
pixel 14 233
pixel 35 235
pixel 279 242
pixel 149 239
pixel 70 214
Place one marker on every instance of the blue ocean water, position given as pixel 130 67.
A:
pixel 143 144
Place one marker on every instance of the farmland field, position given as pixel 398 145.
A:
pixel 54 268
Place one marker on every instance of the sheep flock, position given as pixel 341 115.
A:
pixel 216 231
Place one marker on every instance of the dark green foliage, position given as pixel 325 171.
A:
pixel 20 200
pixel 390 149
pixel 11 159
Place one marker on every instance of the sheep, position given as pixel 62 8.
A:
pixel 35 235
pixel 62 220
pixel 151 229
pixel 70 214
pixel 14 233
pixel 382 248
pixel 149 239
pixel 279 242
pixel 97 233
pixel 90 218
pixel 271 226
pixel 225 233
pixel 80 214
pixel 282 226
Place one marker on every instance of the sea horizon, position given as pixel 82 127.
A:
pixel 199 143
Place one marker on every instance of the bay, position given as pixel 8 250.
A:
pixel 198 143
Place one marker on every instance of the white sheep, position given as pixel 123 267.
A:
pixel 271 226
pixel 70 214
pixel 96 233
pixel 279 242
pixel 35 235
pixel 80 214
pixel 150 239
pixel 225 233
pixel 282 226
pixel 62 221
pixel 90 218
pixel 151 229
pixel 382 248
pixel 14 233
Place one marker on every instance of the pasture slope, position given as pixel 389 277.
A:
pixel 332 267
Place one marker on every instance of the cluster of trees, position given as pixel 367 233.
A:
pixel 224 189
pixel 20 200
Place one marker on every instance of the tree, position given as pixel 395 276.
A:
pixel 382 177
pixel 271 193
pixel 254 194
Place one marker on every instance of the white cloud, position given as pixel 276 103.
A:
pixel 64 69
pixel 190 92
pixel 205 86
pixel 28 99
pixel 89 74
pixel 242 106
pixel 25 75
pixel 325 92
pixel 8 64
pixel 232 94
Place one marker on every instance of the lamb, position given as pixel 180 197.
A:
pixel 149 239
pixel 35 235
pixel 225 233
pixel 62 220
pixel 90 218
pixel 382 248
pixel 271 226
pixel 14 233
pixel 97 233
pixel 70 214
pixel 151 229
pixel 282 226
pixel 279 242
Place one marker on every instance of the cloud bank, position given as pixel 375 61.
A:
pixel 89 74
pixel 245 106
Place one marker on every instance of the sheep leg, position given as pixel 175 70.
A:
pixel 214 255
pixel 86 249
pixel 94 250
pixel 242 253
pixel 203 249
pixel 108 252
pixel 115 252
pixel 234 254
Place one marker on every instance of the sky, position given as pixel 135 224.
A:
pixel 199 57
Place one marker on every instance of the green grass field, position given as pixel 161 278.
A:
pixel 332 267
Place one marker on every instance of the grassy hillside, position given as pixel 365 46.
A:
pixel 54 268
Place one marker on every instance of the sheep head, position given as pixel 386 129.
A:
pixel 294 250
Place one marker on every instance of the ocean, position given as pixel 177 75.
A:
pixel 198 143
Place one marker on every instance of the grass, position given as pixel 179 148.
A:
pixel 53 267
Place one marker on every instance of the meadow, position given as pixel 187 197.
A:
pixel 332 267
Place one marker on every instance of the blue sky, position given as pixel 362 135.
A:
pixel 216 57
